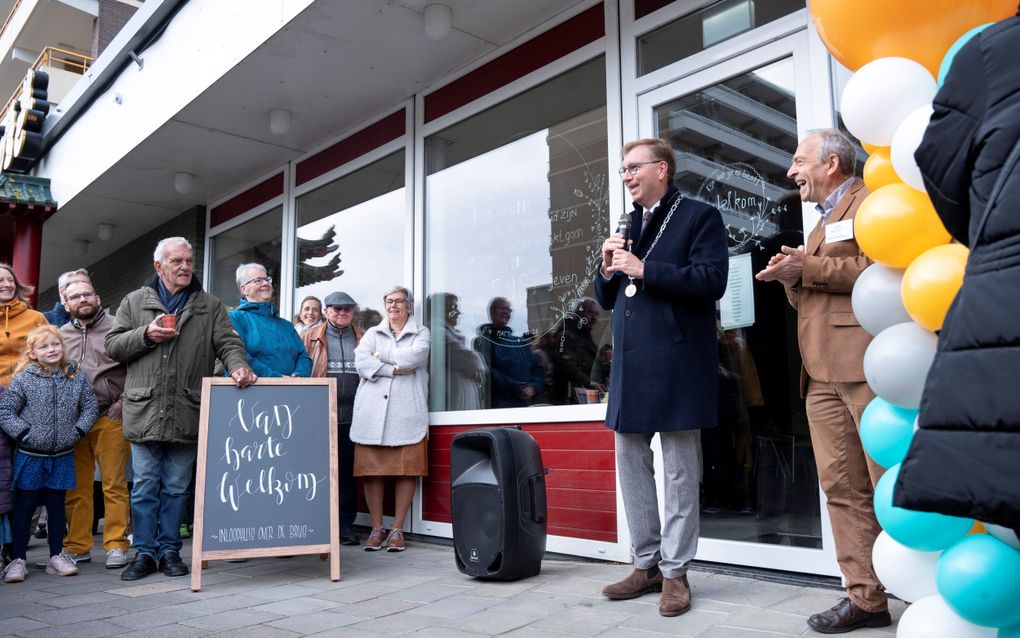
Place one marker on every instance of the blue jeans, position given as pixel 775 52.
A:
pixel 160 494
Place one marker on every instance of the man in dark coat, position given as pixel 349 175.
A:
pixel 664 375
pixel 963 460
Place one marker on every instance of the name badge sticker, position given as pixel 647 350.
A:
pixel 840 231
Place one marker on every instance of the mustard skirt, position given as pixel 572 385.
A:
pixel 382 460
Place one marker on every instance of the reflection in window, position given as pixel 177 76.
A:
pixel 701 29
pixel 256 240
pixel 516 211
pixel 350 237
pixel 733 142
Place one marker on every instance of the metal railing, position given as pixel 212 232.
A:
pixel 54 58
pixel 10 16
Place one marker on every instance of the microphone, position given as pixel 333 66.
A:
pixel 623 228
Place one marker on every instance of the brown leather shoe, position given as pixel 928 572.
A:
pixel 638 583
pixel 846 616
pixel 676 596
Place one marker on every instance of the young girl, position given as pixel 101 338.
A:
pixel 46 409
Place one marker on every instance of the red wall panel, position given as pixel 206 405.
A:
pixel 580 479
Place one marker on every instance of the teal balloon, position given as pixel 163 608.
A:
pixel 1010 632
pixel 886 431
pixel 947 60
pixel 979 578
pixel 924 531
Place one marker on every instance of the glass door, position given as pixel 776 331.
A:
pixel 734 127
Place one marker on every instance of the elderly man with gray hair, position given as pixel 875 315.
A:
pixel 819 279
pixel 273 346
pixel 169 333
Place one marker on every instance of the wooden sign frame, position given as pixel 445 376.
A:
pixel 200 557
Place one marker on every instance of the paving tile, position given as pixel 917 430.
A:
pixel 87 629
pixel 490 622
pixel 426 593
pixel 151 585
pixel 397 624
pixel 766 620
pixel 156 616
pixel 19 624
pixel 232 619
pixel 309 623
pixel 456 606
pixel 56 617
pixel 296 606
pixel 78 600
pixel 375 608
pixel 166 631
pixel 260 631
pixel 583 621
pixel 693 623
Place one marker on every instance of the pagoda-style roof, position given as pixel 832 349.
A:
pixel 26 196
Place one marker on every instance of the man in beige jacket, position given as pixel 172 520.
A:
pixel 818 281
pixel 84 341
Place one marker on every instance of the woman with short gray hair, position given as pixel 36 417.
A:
pixel 391 415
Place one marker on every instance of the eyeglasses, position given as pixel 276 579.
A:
pixel 635 167
pixel 258 281
pixel 81 295
pixel 395 302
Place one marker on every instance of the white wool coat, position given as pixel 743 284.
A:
pixel 390 409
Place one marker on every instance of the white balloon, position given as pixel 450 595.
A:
pixel 931 617
pixel 905 141
pixel 896 363
pixel 907 573
pixel 1004 534
pixel 877 300
pixel 881 94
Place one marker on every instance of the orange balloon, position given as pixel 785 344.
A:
pixel 978 528
pixel 931 282
pixel 879 171
pixel 896 223
pixel 869 148
pixel 923 30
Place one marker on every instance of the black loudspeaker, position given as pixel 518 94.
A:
pixel 497 489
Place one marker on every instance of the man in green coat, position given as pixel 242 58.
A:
pixel 169 333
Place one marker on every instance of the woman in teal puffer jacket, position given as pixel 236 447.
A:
pixel 273 346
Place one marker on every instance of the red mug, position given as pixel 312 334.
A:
pixel 168 321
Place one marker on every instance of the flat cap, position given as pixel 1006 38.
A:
pixel 339 299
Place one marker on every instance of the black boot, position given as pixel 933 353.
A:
pixel 172 565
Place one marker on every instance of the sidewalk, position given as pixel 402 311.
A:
pixel 415 593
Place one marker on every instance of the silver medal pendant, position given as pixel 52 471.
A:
pixel 630 290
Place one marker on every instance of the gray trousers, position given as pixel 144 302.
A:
pixel 673 545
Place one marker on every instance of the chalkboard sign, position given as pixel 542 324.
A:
pixel 266 473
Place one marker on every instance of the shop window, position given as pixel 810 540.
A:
pixel 254 241
pixel 516 212
pixel 350 237
pixel 706 27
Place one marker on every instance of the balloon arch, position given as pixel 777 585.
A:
pixel 962 577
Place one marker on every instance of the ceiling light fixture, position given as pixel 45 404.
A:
pixel 438 20
pixel 280 121
pixel 183 182
pixel 105 231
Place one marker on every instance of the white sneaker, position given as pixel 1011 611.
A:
pixel 16 571
pixel 116 558
pixel 61 565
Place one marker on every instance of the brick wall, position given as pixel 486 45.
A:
pixel 113 15
pixel 127 269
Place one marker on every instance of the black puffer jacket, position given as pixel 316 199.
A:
pixel 965 459
pixel 47 412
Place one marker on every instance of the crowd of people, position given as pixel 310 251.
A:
pixel 82 390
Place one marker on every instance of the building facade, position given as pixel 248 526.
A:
pixel 470 152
